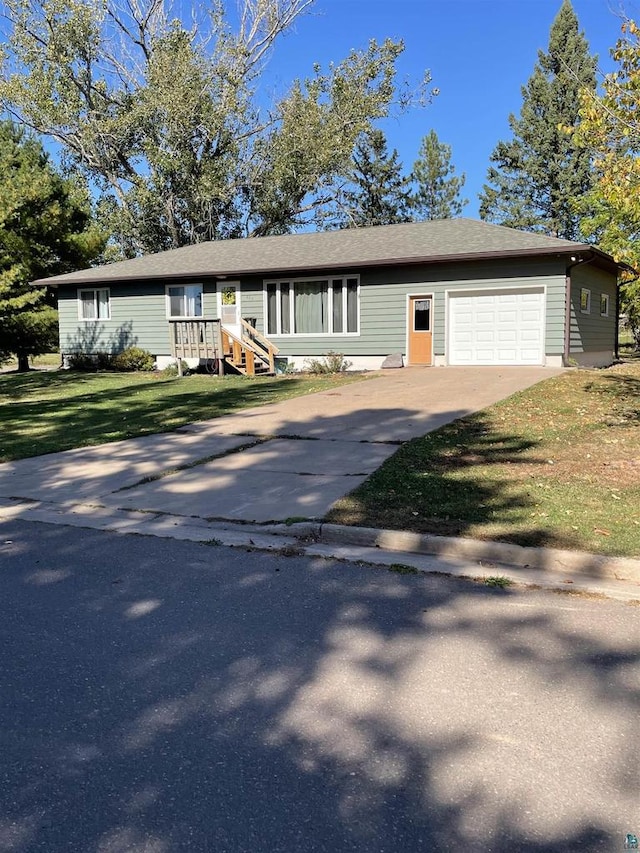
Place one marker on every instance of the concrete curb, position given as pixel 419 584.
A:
pixel 541 559
pixel 613 577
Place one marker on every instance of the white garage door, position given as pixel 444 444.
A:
pixel 497 327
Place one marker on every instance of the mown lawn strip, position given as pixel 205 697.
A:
pixel 556 465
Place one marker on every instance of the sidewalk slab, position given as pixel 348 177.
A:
pixel 276 480
pixel 89 472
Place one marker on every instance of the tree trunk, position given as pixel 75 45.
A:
pixel 23 362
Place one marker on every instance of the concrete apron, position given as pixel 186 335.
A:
pixel 290 460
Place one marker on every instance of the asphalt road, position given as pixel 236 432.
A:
pixel 159 696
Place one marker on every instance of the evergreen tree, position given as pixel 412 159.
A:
pixel 45 229
pixel 538 175
pixel 378 193
pixel 437 195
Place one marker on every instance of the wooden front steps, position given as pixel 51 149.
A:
pixel 208 340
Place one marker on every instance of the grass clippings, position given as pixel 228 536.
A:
pixel 557 465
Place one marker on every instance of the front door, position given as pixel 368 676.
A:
pixel 229 306
pixel 419 329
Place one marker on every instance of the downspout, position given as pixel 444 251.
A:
pixel 577 261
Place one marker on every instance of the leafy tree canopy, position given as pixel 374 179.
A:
pixel 609 129
pixel 168 117
pixel 45 229
pixel 438 188
pixel 538 174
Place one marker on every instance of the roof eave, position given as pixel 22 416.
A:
pixel 385 262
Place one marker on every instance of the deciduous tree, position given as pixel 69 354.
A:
pixel 609 128
pixel 168 118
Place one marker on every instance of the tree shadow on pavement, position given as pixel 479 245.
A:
pixel 161 696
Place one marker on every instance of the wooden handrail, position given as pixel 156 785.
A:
pixel 209 339
pixel 254 337
pixel 268 345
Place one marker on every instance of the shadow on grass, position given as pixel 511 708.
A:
pixel 16 386
pixel 103 413
pixel 172 697
pixel 443 483
pixel 624 392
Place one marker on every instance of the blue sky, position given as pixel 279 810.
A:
pixel 479 52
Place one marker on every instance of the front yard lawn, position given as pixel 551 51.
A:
pixel 42 412
pixel 556 465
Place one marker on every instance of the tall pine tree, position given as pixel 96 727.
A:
pixel 378 193
pixel 536 176
pixel 438 188
pixel 45 228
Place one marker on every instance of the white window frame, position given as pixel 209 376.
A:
pixel 301 280
pixel 604 300
pixel 96 302
pixel 167 297
pixel 587 310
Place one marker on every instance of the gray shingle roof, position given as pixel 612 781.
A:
pixel 427 242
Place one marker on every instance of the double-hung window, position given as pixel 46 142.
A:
pixel 94 304
pixel 184 300
pixel 328 306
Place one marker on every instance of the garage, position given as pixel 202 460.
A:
pixel 503 326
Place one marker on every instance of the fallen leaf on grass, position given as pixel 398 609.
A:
pixel 602 532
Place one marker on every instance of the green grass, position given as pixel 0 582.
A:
pixel 497 581
pixel 556 465
pixel 42 411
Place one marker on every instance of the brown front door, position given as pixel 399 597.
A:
pixel 420 318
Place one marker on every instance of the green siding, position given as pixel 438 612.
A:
pixel 591 332
pixel 138 318
pixel 383 304
pixel 138 311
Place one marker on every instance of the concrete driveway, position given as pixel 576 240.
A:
pixel 293 459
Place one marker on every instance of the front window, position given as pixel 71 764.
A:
pixel 94 304
pixel 604 305
pixel 313 307
pixel 184 300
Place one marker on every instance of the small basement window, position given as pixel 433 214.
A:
pixel 604 304
pixel 94 304
pixel 585 300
